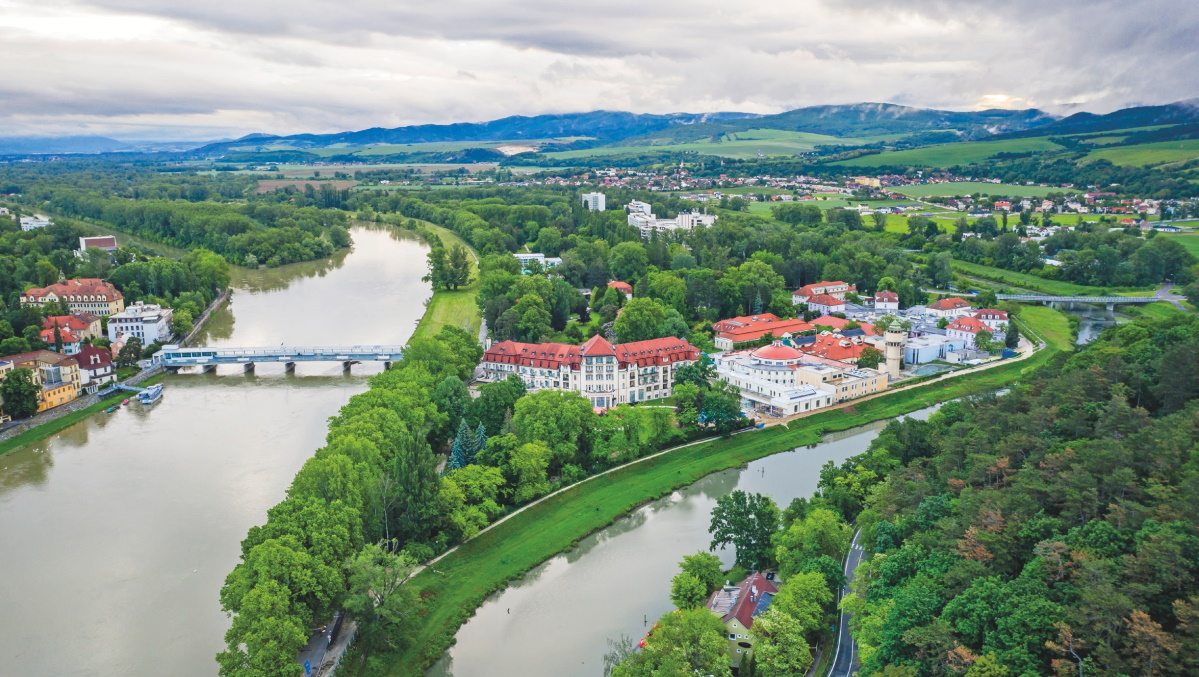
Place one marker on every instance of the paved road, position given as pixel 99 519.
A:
pixel 846 657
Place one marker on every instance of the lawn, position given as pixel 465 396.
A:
pixel 950 154
pixel 454 308
pixel 456 585
pixel 1148 153
pixel 1188 240
pixel 1051 325
pixel 963 188
pixel 1042 285
pixel 1155 311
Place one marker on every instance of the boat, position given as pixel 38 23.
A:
pixel 124 402
pixel 150 395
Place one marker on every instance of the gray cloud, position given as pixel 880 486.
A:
pixel 224 67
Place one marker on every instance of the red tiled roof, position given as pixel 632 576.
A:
pixel 68 336
pixel 47 356
pixel 622 286
pixel 84 286
pixel 968 324
pixel 952 303
pixel 811 289
pixel 885 295
pixel 72 322
pixel 91 357
pixel 835 347
pixel 777 351
pixel 598 346
pixel 749 594
pixel 840 322
pixel 99 241
pixel 990 314
pixel 754 327
pixel 825 300
pixel 555 355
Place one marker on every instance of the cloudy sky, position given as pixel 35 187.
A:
pixel 175 69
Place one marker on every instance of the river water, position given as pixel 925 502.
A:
pixel 116 534
pixel 556 620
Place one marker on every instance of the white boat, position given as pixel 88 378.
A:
pixel 150 395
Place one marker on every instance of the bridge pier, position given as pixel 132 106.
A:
pixel 345 366
pixel 386 366
pixel 208 369
pixel 1111 307
pixel 249 368
pixel 289 367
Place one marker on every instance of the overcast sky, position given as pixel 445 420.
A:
pixel 183 69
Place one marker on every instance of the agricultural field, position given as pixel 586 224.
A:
pixel 963 188
pixel 1188 240
pixel 739 145
pixel 1148 153
pixel 950 154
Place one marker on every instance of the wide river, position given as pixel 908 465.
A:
pixel 116 535
pixel 558 618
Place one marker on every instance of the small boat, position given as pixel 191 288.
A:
pixel 124 402
pixel 150 395
pixel 111 409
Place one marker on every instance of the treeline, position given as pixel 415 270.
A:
pixel 1049 530
pixel 371 504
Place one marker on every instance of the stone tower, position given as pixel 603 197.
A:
pixel 895 337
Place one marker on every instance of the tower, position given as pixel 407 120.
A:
pixel 893 350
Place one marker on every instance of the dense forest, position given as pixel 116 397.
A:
pixel 1048 530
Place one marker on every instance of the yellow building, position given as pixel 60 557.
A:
pixel 738 606
pixel 83 295
pixel 57 375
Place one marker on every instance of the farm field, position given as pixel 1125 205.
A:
pixel 740 145
pixel 949 154
pixel 962 188
pixel 1188 240
pixel 1148 153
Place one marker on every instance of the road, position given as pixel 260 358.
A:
pixel 845 659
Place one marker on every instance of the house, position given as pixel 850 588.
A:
pixel 148 322
pixel 95 365
pixel 595 202
pixel 85 325
pixel 835 346
pixel 34 222
pixel 57 376
pixel 83 295
pixel 826 304
pixel 747 328
pixel 836 289
pixel 545 262
pixel 951 307
pixel 738 606
pixel 967 328
pixel 886 300
pixel 106 242
pixel 839 324
pixel 608 375
pixel 71 341
pixel 622 287
pixel 993 318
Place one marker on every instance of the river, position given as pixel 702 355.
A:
pixel 558 618
pixel 116 534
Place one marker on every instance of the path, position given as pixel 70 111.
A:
pixel 847 649
pixel 1166 293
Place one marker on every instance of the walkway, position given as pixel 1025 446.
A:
pixel 847 649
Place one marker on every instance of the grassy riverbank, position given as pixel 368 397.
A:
pixel 60 424
pixel 459 583
pixel 1040 284
pixel 455 308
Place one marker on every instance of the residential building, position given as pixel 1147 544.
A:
pixel 34 222
pixel 85 325
pixel 835 289
pixel 57 376
pixel 951 307
pixel 71 341
pixel 781 380
pixel 739 330
pixel 622 287
pixel 148 322
pixel 639 207
pixel 826 304
pixel 596 202
pixel 930 348
pixel 995 319
pixel 83 295
pixel 95 365
pixel 608 375
pixel 738 606
pixel 641 217
pixel 836 345
pixel 967 328
pixel 886 300
pixel 106 242
pixel 545 262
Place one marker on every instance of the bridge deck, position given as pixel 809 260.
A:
pixel 1077 299
pixel 176 356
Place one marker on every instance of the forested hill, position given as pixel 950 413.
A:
pixel 1051 530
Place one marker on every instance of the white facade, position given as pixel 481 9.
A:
pixel 639 207
pixel 34 222
pixel 784 382
pixel 546 262
pixel 148 322
pixel 596 202
pixel 930 348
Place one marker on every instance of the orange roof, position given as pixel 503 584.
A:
pixel 67 335
pixel 825 300
pixel 72 322
pixel 555 355
pixel 952 303
pixel 819 288
pixel 754 327
pixel 840 322
pixel 777 351
pixel 968 324
pixel 84 286
pixel 885 295
pixel 835 347
pixel 622 286
pixel 990 314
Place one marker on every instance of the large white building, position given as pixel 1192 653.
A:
pixel 608 375
pixel 783 381
pixel 34 222
pixel 642 218
pixel 147 322
pixel 596 202
pixel 527 258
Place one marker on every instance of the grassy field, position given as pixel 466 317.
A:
pixel 1027 281
pixel 949 154
pixel 1188 240
pixel 455 308
pixel 1154 311
pixel 1148 153
pixel 459 583
pixel 962 188
pixel 741 145
pixel 59 424
pixel 1051 325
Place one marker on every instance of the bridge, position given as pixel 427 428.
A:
pixel 174 357
pixel 1046 298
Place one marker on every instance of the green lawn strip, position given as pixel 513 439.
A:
pixel 1047 324
pixel 1155 311
pixel 456 308
pixel 1039 283
pixel 49 428
pixel 456 585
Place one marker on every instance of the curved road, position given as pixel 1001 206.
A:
pixel 845 659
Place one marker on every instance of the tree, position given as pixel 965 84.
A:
pixel 722 407
pixel 982 340
pixel 439 273
pixel 14 346
pixel 385 607
pixel 1011 336
pixel 463 451
pixel 265 635
pixel 747 522
pixel 683 643
pixel 706 567
pixel 781 650
pixel 641 320
pixel 687 591
pixel 987 665
pixel 130 353
pixel 526 470
pixel 562 420
pixel 181 322
pixel 804 597
pixel 457 267
pixel 18 393
pixel 870 357
pixel 628 261
pixel 534 319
